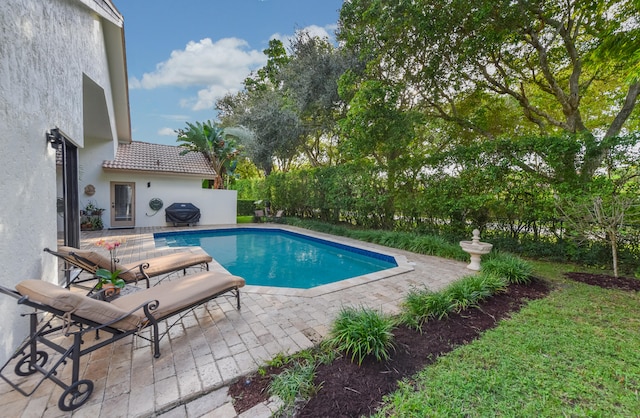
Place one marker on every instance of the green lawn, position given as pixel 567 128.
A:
pixel 574 353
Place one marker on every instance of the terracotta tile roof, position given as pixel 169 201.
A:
pixel 157 158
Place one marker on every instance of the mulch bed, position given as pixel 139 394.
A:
pixel 349 390
pixel 608 282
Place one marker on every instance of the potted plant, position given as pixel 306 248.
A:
pixel 108 279
pixel 96 224
pixel 92 209
pixel 89 208
pixel 109 282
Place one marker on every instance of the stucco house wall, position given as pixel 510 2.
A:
pixel 90 172
pixel 48 50
pixel 63 66
pixel 217 207
pixel 174 179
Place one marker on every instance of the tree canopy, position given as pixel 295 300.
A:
pixel 552 60
pixel 219 147
pixel 292 104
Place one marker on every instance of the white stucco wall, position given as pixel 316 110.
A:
pixel 45 48
pixel 90 172
pixel 217 207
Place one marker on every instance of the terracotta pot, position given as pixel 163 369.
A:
pixel 110 290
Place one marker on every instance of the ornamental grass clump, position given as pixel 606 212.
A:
pixel 494 284
pixel 421 305
pixel 293 384
pixel 509 267
pixel 427 244
pixel 362 332
pixel 470 290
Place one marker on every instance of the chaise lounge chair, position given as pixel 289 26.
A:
pixel 90 261
pixel 277 217
pixel 258 216
pixel 69 313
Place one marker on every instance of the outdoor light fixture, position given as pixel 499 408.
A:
pixel 55 138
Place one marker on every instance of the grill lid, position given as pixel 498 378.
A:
pixel 182 213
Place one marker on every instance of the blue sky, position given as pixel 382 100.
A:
pixel 184 55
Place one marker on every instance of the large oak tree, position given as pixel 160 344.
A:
pixel 569 66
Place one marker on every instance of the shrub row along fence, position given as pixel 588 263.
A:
pixel 516 217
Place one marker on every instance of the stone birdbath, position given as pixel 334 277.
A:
pixel 476 249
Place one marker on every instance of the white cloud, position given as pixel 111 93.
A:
pixel 180 118
pixel 221 66
pixel 313 30
pixel 322 32
pixel 207 97
pixel 167 132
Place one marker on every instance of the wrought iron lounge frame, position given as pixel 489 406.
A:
pixel 76 393
pixel 90 267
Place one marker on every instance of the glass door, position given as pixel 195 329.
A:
pixel 123 205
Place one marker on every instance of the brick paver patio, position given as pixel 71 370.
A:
pixel 215 344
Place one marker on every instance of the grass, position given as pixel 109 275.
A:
pixel 362 332
pixel 293 384
pixel 423 305
pixel 510 267
pixel 468 292
pixel 417 243
pixel 573 353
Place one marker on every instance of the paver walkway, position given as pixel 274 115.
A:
pixel 214 345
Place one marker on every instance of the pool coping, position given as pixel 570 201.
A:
pixel 403 266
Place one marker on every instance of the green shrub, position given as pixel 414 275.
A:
pixel 361 332
pixel 418 243
pixel 470 290
pixel 421 305
pixel 293 383
pixel 463 294
pixel 495 284
pixel 427 244
pixel 413 312
pixel 249 189
pixel 509 267
pixel 279 360
pixel 245 207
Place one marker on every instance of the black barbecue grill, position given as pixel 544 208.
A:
pixel 182 213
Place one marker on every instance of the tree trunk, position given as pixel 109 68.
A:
pixel 614 251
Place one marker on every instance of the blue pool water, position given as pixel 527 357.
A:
pixel 275 257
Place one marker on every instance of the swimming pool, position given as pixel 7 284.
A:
pixel 280 258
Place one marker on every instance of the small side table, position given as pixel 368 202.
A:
pixel 104 294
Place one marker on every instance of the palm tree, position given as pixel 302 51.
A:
pixel 219 148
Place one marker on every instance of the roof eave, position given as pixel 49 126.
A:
pixel 157 172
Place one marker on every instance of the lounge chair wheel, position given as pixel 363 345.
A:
pixel 25 365
pixel 75 395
